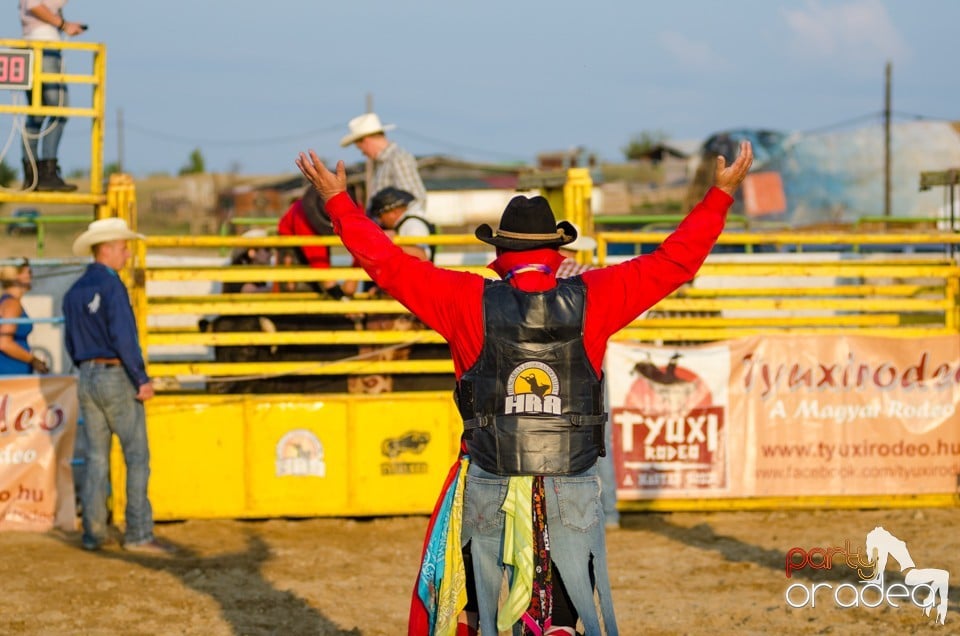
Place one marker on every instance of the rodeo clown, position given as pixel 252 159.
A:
pixel 524 496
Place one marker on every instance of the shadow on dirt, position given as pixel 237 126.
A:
pixel 248 602
pixel 703 537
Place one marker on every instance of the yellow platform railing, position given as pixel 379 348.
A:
pixel 94 77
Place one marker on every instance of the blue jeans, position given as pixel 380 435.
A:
pixel 52 94
pixel 577 542
pixel 109 407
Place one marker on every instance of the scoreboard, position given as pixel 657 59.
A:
pixel 16 69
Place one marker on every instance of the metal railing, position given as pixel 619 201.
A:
pixel 95 79
pixel 893 294
pixel 40 223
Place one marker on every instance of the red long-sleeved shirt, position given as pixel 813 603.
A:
pixel 451 302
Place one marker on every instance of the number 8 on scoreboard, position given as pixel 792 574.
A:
pixel 16 69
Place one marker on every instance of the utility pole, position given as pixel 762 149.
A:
pixel 886 141
pixel 368 172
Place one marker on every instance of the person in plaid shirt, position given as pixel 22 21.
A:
pixel 392 165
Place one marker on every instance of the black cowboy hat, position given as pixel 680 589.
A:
pixel 316 215
pixel 526 224
pixel 389 198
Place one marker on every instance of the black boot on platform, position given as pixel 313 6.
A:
pixel 49 177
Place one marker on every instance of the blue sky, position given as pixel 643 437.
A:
pixel 251 83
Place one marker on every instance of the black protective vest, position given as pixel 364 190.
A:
pixel 532 403
pixel 430 226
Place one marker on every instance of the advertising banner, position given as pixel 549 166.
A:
pixel 786 416
pixel 38 424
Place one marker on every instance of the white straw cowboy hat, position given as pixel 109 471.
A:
pixel 581 243
pixel 364 126
pixel 101 231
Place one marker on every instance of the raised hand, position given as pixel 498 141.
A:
pixel 729 178
pixel 327 183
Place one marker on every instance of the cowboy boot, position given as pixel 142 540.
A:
pixel 49 177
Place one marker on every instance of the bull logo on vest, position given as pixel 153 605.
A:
pixel 533 387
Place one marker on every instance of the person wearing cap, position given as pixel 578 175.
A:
pixel 390 208
pixel 527 352
pixel 392 165
pixel 101 339
pixel 15 355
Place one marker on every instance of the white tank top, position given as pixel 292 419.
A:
pixel 36 29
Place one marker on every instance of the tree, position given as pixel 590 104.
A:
pixel 195 164
pixel 641 143
pixel 83 173
pixel 7 174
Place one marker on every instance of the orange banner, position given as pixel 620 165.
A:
pixel 786 416
pixel 38 424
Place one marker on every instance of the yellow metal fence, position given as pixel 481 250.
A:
pixel 349 454
pixel 248 456
pixel 881 293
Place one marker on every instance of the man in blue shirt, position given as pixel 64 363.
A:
pixel 101 339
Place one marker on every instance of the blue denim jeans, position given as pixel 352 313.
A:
pixel 109 407
pixel 52 95
pixel 577 542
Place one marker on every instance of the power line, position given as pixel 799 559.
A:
pixel 873 115
pixel 917 117
pixel 842 124
pixel 453 146
pixel 279 139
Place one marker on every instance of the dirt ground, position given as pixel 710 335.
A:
pixel 676 573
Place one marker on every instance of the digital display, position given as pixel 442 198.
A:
pixel 16 68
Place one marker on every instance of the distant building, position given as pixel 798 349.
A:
pixel 458 192
pixel 671 160
pixel 266 196
pixel 562 159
